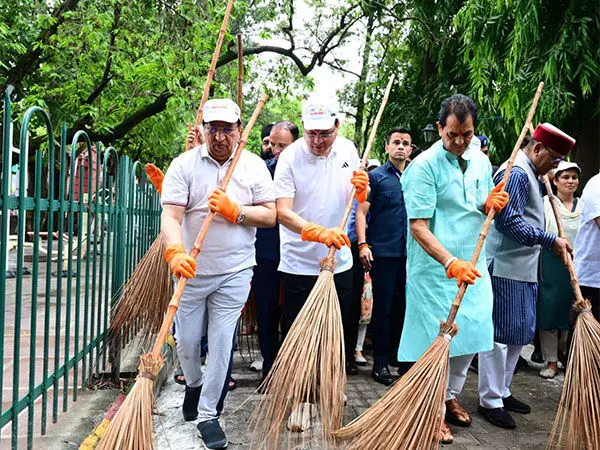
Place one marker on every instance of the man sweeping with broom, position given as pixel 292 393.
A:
pixel 447 196
pixel 219 280
pixel 513 250
pixel 313 183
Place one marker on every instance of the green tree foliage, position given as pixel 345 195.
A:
pixel 132 73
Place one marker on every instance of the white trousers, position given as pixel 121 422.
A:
pixel 496 369
pixel 457 375
pixel 212 303
pixel 552 342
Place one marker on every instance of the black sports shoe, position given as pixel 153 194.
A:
pixel 212 434
pixel 382 375
pixel 190 403
pixel 351 368
pixel 514 405
pixel 498 417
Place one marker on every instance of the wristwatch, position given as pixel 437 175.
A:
pixel 241 216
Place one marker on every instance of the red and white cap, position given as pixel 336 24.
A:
pixel 317 115
pixel 220 110
pixel 556 140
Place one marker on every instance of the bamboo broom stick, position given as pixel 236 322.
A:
pixel 132 427
pixel 174 303
pixel 561 232
pixel 409 415
pixel 211 70
pixel 492 211
pixel 365 157
pixel 316 373
pixel 240 74
pixel 576 424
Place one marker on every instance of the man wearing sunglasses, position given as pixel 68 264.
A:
pixel 219 279
pixel 382 252
pixel 313 182
pixel 513 250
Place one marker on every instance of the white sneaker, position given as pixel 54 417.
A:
pixel 256 366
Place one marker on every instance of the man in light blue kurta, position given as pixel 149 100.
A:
pixel 447 189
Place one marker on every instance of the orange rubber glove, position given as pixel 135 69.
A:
pixel 360 180
pixel 218 202
pixel 155 176
pixel 328 236
pixel 181 263
pixel 462 271
pixel 497 199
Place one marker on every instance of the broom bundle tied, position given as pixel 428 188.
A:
pixel 132 427
pixel 409 414
pixel 310 366
pixel 576 425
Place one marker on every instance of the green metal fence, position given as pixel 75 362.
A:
pixel 70 235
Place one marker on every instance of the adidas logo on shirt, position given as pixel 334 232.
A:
pixel 345 165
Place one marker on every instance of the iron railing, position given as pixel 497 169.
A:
pixel 81 225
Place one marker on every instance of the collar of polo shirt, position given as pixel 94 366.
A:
pixel 312 157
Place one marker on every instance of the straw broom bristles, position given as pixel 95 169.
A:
pixel 132 427
pixel 311 365
pixel 412 408
pixel 313 335
pixel 145 296
pixel 577 422
pixel 408 426
pixel 133 424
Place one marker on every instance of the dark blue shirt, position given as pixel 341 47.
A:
pixel 267 239
pixel 386 233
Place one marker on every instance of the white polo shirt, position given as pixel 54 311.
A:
pixel 587 243
pixel 190 179
pixel 320 187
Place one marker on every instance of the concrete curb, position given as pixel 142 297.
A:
pixel 170 354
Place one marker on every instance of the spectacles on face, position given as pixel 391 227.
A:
pixel 228 131
pixel 556 158
pixel 320 134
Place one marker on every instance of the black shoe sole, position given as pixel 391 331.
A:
pixel 517 410
pixel 385 381
pixel 486 416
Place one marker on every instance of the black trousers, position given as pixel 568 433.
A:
pixel 265 284
pixel 296 289
pixel 388 276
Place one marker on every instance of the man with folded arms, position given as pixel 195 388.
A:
pixel 447 197
pixel 219 280
pixel 513 248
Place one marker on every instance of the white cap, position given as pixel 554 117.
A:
pixel 373 163
pixel 222 110
pixel 317 115
pixel 566 165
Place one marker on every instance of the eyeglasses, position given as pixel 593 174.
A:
pixel 555 156
pixel 322 134
pixel 228 131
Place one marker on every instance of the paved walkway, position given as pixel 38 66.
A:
pixel 531 432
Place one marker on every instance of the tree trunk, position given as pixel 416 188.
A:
pixel 361 87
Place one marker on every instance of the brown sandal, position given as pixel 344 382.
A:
pixel 445 436
pixel 456 414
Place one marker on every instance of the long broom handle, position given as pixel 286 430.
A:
pixel 174 303
pixel 365 157
pixel 492 212
pixel 211 70
pixel 240 74
pixel 562 234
